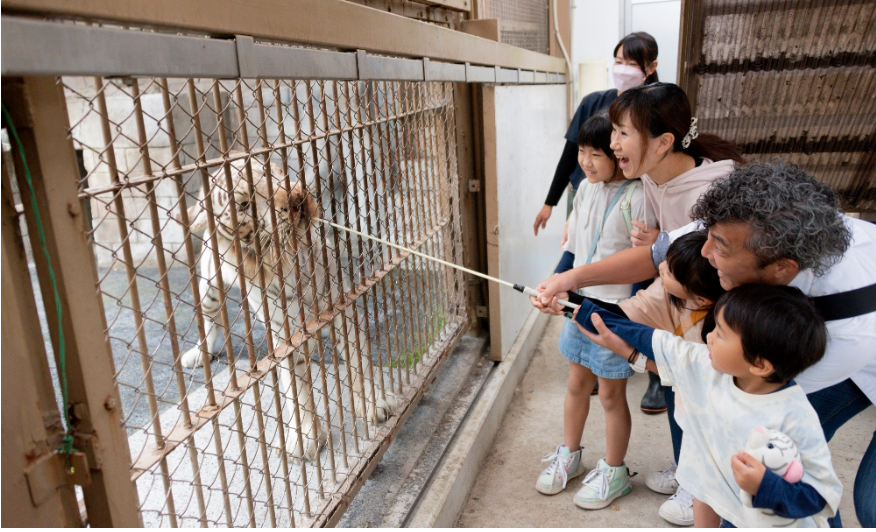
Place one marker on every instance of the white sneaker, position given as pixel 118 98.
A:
pixel 663 481
pixel 678 510
pixel 564 466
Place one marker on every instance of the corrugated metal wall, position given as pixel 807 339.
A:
pixel 789 78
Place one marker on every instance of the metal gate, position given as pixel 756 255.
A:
pixel 261 356
pixel 258 360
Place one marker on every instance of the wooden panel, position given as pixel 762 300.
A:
pixel 330 23
pixel 417 11
pixel 523 139
pixel 31 421
pixel 40 114
pixel 485 28
pixel 788 79
pixel 491 199
pixel 459 5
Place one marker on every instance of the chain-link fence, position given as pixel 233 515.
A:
pixel 261 355
pixel 522 23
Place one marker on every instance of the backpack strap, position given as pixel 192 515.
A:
pixel 611 204
pixel 627 208
pixel 846 304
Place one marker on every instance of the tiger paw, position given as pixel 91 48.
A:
pixel 192 358
pixel 377 411
pixel 310 447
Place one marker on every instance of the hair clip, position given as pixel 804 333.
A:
pixel 692 133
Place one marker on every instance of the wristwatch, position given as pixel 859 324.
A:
pixel 638 365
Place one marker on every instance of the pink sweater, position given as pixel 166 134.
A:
pixel 673 200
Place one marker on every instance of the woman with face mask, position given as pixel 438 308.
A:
pixel 635 64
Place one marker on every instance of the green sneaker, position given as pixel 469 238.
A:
pixel 602 486
pixel 564 466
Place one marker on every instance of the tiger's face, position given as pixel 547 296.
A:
pixel 254 226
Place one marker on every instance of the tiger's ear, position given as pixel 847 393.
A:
pixel 302 205
pixel 757 438
pixel 311 208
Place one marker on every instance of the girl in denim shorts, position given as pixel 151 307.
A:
pixel 599 227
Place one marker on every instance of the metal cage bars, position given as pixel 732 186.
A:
pixel 369 345
pixel 380 156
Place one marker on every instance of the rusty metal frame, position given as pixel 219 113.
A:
pixel 34 482
pixel 38 107
pixel 404 117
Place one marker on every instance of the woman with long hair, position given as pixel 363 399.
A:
pixel 657 139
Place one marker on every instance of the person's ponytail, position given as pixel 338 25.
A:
pixel 694 272
pixel 713 147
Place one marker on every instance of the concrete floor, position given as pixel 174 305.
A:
pixel 504 494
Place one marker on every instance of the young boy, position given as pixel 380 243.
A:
pixel 741 379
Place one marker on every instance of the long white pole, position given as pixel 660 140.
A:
pixel 520 288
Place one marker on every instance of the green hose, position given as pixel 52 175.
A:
pixel 67 440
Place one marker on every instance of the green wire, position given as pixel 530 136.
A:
pixel 67 440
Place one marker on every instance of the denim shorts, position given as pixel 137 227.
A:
pixel 579 349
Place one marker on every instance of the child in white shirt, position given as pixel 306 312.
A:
pixel 742 379
pixel 599 226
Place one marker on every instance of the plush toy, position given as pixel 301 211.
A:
pixel 779 454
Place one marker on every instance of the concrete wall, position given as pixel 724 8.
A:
pixel 595 32
pixel 523 128
pixel 662 19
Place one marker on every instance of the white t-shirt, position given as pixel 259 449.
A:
pixel 588 213
pixel 851 344
pixel 718 418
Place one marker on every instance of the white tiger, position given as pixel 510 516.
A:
pixel 778 453
pixel 293 212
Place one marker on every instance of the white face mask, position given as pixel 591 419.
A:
pixel 626 77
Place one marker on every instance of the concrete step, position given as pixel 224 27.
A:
pixel 398 480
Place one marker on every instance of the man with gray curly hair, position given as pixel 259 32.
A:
pixel 772 223
pixel 787 220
